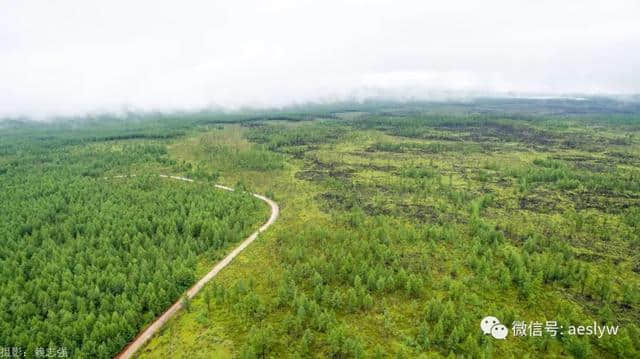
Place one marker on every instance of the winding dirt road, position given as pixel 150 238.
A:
pixel 146 334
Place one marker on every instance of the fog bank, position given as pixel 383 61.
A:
pixel 72 57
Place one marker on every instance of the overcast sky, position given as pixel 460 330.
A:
pixel 70 57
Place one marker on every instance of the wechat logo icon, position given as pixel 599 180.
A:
pixel 491 325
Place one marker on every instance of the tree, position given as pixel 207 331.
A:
pixel 579 348
pixel 422 338
pixel 306 342
pixel 353 304
pixel 336 339
pixel 261 340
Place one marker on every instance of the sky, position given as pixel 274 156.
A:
pixel 72 57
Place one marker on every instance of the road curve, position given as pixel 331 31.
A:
pixel 146 334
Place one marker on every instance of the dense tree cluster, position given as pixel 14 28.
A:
pixel 87 260
pixel 85 263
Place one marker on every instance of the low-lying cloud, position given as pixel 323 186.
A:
pixel 71 57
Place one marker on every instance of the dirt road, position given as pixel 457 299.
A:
pixel 146 334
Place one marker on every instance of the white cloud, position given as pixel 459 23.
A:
pixel 69 57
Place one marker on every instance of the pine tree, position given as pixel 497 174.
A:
pixel 353 304
pixel 306 342
pixel 422 338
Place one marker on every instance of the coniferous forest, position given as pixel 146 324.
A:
pixel 401 227
pixel 88 259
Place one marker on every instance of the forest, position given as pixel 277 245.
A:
pixel 87 259
pixel 402 226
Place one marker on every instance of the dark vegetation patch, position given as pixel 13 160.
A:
pixel 587 162
pixel 480 129
pixel 428 148
pixel 626 158
pixel 298 152
pixel 579 141
pixel 538 201
pixel 487 130
pixel 375 167
pixel 418 172
pixel 292 117
pixel 320 175
pixel 620 141
pixel 281 118
pixel 134 136
pixel 605 201
pixel 253 124
pixel 317 170
pixel 421 212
